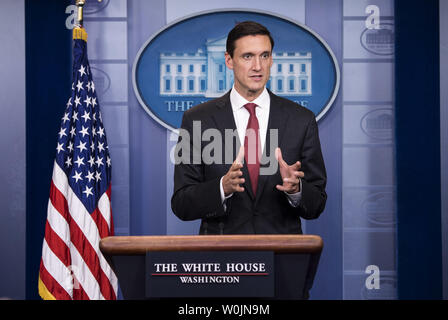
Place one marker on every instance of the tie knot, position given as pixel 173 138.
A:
pixel 251 108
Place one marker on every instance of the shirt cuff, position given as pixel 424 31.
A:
pixel 223 197
pixel 294 198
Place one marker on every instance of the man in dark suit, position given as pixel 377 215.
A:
pixel 259 192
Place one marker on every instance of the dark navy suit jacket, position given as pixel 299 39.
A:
pixel 196 185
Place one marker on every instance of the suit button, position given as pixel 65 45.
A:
pixel 256 212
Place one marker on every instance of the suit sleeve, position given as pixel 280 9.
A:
pixel 314 196
pixel 194 197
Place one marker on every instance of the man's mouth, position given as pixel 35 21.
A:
pixel 257 77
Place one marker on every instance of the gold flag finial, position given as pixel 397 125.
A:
pixel 80 4
pixel 79 32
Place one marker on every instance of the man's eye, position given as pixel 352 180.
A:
pixel 247 56
pixel 265 56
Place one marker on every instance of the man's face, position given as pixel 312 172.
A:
pixel 251 65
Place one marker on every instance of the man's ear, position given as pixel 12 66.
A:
pixel 229 61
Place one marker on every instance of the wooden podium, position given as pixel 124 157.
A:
pixel 296 258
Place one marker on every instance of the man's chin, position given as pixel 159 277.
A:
pixel 256 90
pixel 252 91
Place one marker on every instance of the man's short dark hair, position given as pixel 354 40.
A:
pixel 246 28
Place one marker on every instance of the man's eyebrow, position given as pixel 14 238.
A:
pixel 252 54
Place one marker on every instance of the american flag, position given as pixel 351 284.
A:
pixel 79 209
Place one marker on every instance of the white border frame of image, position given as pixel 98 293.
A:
pixel 143 47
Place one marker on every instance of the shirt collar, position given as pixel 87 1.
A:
pixel 237 101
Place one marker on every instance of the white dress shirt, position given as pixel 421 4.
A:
pixel 241 116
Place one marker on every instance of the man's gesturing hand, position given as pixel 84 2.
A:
pixel 232 180
pixel 290 174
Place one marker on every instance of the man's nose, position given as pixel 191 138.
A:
pixel 256 64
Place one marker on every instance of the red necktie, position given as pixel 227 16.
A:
pixel 252 146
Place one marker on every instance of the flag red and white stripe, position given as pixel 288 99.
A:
pixel 72 266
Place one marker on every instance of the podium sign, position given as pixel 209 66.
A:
pixel 210 274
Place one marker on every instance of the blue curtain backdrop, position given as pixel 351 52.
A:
pixel 418 149
pixel 48 83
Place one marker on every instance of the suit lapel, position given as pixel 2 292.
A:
pixel 223 115
pixel 277 120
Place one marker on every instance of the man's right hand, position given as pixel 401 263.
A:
pixel 232 180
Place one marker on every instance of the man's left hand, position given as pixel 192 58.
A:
pixel 291 174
